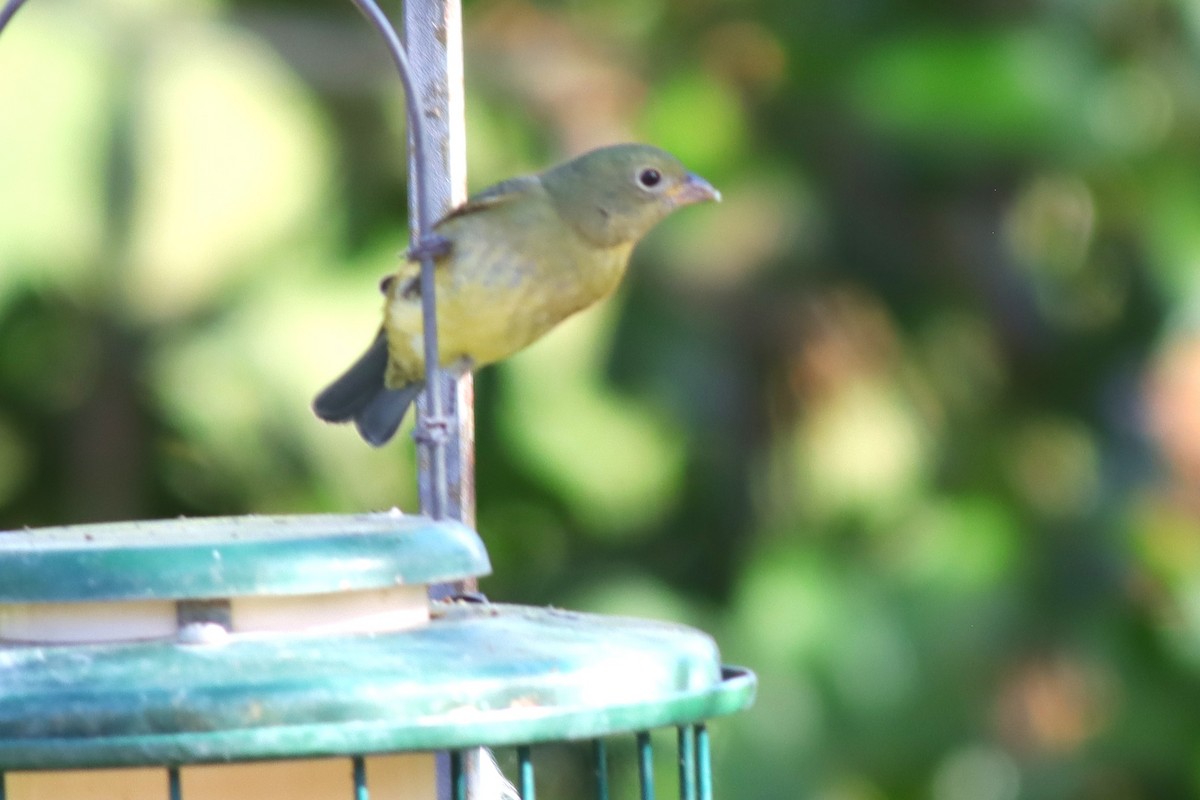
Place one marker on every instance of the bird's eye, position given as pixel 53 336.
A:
pixel 649 177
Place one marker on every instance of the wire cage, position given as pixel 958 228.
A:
pixel 303 657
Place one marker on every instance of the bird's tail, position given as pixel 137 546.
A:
pixel 361 395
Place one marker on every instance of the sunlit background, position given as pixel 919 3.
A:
pixel 910 422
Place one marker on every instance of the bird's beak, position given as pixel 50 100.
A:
pixel 693 189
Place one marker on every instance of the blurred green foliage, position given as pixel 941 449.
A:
pixel 909 421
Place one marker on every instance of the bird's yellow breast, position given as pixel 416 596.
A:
pixel 514 272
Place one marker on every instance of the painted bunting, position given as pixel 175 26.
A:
pixel 521 257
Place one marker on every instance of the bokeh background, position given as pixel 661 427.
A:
pixel 909 422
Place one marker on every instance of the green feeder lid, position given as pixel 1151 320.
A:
pixel 477 675
pixel 230 556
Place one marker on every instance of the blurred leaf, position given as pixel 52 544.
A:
pixel 616 463
pixel 233 162
pixel 692 102
pixel 58 71
pixel 999 90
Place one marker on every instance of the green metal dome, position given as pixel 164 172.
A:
pixel 475 674
pixel 226 556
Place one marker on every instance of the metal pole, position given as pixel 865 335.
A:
pixel 433 38
pixel 446 467
pixel 10 8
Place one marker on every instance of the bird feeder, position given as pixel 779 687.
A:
pixel 300 657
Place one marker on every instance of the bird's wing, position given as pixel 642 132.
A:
pixel 503 192
pixel 500 194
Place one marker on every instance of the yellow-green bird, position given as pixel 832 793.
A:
pixel 523 256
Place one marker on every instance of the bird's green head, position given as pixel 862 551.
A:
pixel 614 195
